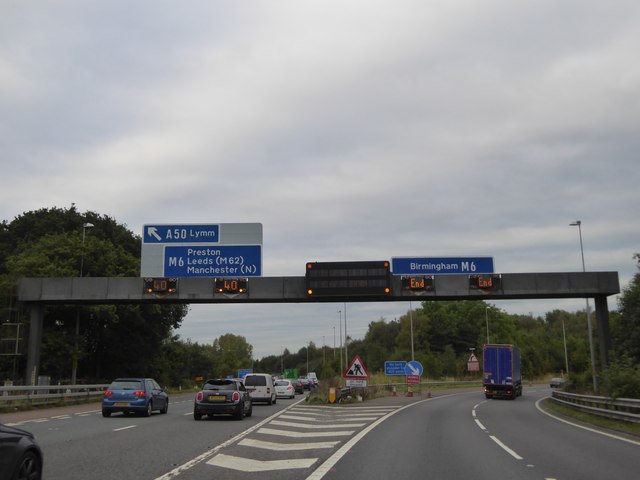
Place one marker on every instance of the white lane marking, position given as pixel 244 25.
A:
pixel 505 448
pixel 61 417
pixel 193 462
pixel 323 469
pixel 125 428
pixel 285 447
pixel 287 433
pixel 317 426
pixel 482 427
pixel 250 465
pixel 187 414
pixel 494 438
pixel 606 434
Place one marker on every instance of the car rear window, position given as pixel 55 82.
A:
pixel 282 383
pixel 220 385
pixel 255 381
pixel 126 385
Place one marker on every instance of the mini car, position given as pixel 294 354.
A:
pixel 20 454
pixel 134 395
pixel 223 396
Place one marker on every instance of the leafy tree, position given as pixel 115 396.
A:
pixel 626 329
pixel 114 340
pixel 232 352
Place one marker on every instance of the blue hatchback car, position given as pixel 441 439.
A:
pixel 134 395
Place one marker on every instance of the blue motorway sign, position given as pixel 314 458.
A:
pixel 243 372
pixel 213 261
pixel 395 367
pixel 183 233
pixel 441 265
pixel 414 367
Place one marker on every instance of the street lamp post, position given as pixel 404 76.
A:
pixel 346 339
pixel 340 313
pixel 74 366
pixel 413 357
pixel 334 341
pixel 578 224
pixel 486 319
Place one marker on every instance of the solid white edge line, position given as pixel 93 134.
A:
pixel 323 469
pixel 606 434
pixel 191 463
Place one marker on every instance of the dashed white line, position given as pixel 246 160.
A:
pixel 124 428
pixel 505 448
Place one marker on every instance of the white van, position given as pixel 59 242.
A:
pixel 261 388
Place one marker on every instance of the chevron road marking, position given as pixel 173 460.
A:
pixel 287 433
pixel 316 426
pixel 285 447
pixel 250 465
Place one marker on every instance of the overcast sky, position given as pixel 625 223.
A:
pixel 352 130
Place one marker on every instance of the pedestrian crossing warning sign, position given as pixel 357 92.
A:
pixel 356 369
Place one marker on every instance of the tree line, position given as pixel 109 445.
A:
pixel 117 340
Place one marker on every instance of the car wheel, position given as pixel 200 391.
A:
pixel 239 415
pixel 250 411
pixel 147 412
pixel 275 399
pixel 106 413
pixel 197 416
pixel 166 407
pixel 29 467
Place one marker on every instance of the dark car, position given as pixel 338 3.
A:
pixel 223 396
pixel 20 455
pixel 297 385
pixel 134 395
pixel 306 384
pixel 557 382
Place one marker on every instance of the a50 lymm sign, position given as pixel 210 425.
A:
pixel 441 265
pixel 202 250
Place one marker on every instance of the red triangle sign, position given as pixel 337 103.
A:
pixel 356 369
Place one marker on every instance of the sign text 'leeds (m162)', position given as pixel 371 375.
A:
pixel 184 233
pixel 211 261
pixel 441 265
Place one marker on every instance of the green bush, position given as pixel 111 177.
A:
pixel 621 380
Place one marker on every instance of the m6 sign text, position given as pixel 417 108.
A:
pixel 202 250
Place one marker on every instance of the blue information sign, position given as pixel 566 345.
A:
pixel 395 367
pixel 184 233
pixel 441 265
pixel 243 372
pixel 213 261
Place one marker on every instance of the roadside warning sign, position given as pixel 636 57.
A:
pixel 356 369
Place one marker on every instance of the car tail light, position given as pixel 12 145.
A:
pixel 289 387
pixel 236 397
pixel 108 393
pixel 199 396
pixel 139 393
